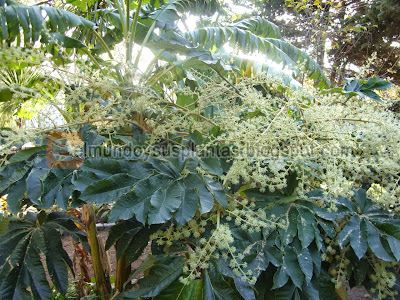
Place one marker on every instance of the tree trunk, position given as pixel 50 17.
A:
pixel 103 286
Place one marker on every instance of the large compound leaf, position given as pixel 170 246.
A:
pixel 167 195
pixel 30 20
pixel 11 174
pixel 302 219
pixel 195 195
pixel 138 201
pixel 253 37
pixel 362 88
pixel 375 228
pixel 104 180
pixel 21 247
pixel 45 186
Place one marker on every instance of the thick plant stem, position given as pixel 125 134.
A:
pixel 122 274
pixel 103 286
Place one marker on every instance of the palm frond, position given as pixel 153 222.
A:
pixel 259 36
pixel 49 24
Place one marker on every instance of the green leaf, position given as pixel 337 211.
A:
pixel 106 167
pixel 375 243
pixel 356 231
pixel 108 190
pixel 21 247
pixel 260 27
pixel 326 287
pixel 362 88
pixel 316 256
pixel 145 266
pixel 251 38
pixel 281 277
pixel 197 137
pixel 30 19
pixel 82 5
pixel 361 268
pixel 358 238
pixel 164 203
pixel 263 196
pixel 391 228
pixel 81 180
pixel 215 287
pixel 394 246
pixel 57 259
pixel 67 224
pixel 190 200
pixel 182 159
pixel 212 164
pixel 139 243
pixel 161 275
pixel 13 287
pixel 165 168
pixel 245 289
pixel 205 198
pixel 11 174
pixel 62 41
pixel 255 262
pixel 344 234
pixel 290 232
pixel 125 239
pixel 306 263
pixel 137 202
pixel 328 227
pixel 15 194
pixel 186 101
pixel 119 230
pixel 305 221
pixel 35 184
pixel 178 291
pixel 37 21
pixel 57 186
pixel 3 224
pixel 216 190
pixel 25 154
pixel 10 242
pixel 5 94
pixel 360 195
pixel 39 285
pixel 3 24
pixel 292 267
pixel 288 291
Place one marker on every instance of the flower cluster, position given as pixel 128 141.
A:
pixel 383 280
pixel 244 214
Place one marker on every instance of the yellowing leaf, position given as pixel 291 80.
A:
pixel 342 292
